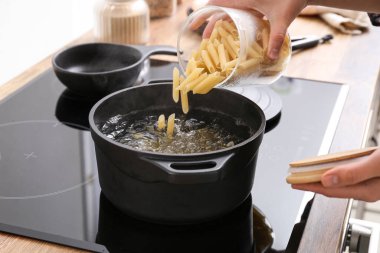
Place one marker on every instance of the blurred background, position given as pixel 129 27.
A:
pixel 31 30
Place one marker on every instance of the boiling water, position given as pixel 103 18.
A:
pixel 191 135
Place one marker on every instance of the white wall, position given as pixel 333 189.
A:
pixel 30 30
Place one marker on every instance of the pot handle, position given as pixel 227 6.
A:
pixel 192 172
pixel 152 50
pixel 154 81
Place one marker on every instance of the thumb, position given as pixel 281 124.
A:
pixel 353 173
pixel 278 30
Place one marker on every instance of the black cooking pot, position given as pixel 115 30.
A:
pixel 101 68
pixel 177 188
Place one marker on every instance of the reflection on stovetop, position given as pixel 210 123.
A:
pixel 235 232
pixel 73 109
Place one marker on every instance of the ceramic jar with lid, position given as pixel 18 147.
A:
pixel 122 21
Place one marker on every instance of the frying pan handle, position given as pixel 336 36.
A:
pixel 192 172
pixel 152 50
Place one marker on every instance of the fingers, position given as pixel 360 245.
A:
pixel 210 25
pixel 359 180
pixel 367 191
pixel 353 173
pixel 277 36
pixel 197 22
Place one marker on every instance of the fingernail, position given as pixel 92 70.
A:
pixel 330 181
pixel 273 54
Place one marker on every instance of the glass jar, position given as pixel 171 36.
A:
pixel 162 8
pixel 122 21
pixel 244 37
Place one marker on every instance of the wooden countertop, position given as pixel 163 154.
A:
pixel 353 60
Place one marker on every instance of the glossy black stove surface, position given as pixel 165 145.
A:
pixel 49 182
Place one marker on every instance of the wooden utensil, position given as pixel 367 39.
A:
pixel 310 170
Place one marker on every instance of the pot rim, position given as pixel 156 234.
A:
pixel 95 129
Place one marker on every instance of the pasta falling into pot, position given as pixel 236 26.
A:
pixel 219 55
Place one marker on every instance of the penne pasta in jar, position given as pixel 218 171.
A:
pixel 235 46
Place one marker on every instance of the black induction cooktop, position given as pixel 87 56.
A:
pixel 49 184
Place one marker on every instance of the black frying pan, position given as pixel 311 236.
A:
pixel 101 68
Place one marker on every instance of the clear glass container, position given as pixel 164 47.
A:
pixel 122 21
pixel 244 36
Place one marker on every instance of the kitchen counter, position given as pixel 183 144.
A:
pixel 352 60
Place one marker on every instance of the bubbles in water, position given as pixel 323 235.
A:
pixel 191 135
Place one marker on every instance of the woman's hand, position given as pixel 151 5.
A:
pixel 359 180
pixel 279 13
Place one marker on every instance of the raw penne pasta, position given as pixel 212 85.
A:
pixel 175 84
pixel 231 64
pixel 226 54
pixel 215 59
pixel 201 64
pixel 229 27
pixel 276 68
pixel 218 23
pixel 228 71
pixel 222 56
pixel 170 128
pixel 184 101
pixel 207 60
pixel 257 48
pixel 196 72
pixel 253 53
pixel 214 34
pixel 194 54
pixel 191 65
pixel 203 45
pixel 195 82
pixel 248 64
pixel 222 32
pixel 234 47
pixel 206 85
pixel 210 79
pixel 228 48
pixel 213 54
pixel 211 86
pixel 161 122
pixel 216 43
pixel 285 47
